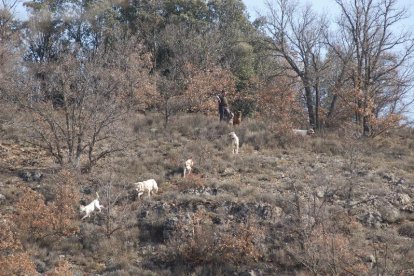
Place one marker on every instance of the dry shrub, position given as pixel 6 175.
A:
pixel 17 264
pixel 407 230
pixel 191 181
pixel 204 85
pixel 62 268
pixel 279 106
pixel 323 252
pixel 202 242
pixel 13 259
pixel 57 219
pixel 330 146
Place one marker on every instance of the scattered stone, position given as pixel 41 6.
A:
pixel 389 213
pixel 202 191
pixel 403 199
pixel 372 219
pixel 169 226
pixel 228 172
pixel 26 176
pixel 30 176
pixel 278 211
pixel 320 193
pixel 390 177
pixel 370 259
pixel 40 266
pixel 407 230
pixel 37 176
pixel 399 199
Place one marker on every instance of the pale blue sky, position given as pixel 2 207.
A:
pixel 327 7
pixel 254 6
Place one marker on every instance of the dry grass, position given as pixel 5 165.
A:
pixel 285 203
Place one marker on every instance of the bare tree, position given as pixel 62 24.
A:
pixel 297 40
pixel 84 124
pixel 381 69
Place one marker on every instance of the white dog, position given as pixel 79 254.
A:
pixel 234 142
pixel 88 209
pixel 303 132
pixel 148 185
pixel 188 165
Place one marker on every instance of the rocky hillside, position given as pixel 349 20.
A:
pixel 327 204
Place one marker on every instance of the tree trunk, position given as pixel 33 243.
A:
pixel 309 105
pixel 366 126
pixel 332 106
pixel 317 105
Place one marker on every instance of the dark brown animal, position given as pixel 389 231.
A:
pixel 237 118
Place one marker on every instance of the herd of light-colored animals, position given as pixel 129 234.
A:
pixel 150 186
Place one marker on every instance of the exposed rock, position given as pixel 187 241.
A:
pixel 407 230
pixel 320 192
pixel 391 178
pixel 30 176
pixel 370 259
pixel 202 191
pixel 40 266
pixel 400 199
pixel 26 176
pixel 278 211
pixel 37 176
pixel 404 199
pixel 389 213
pixel 169 226
pixel 371 219
pixel 2 198
pixel 228 172
pixel 307 221
pixel 408 208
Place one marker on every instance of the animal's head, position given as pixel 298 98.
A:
pixel 311 132
pixel 82 208
pixel 239 113
pixel 139 186
pixel 232 135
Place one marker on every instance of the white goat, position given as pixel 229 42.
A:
pixel 88 209
pixel 188 165
pixel 303 132
pixel 234 142
pixel 148 185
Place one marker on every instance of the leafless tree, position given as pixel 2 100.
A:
pixel 83 123
pixel 381 70
pixel 297 40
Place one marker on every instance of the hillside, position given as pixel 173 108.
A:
pixel 285 205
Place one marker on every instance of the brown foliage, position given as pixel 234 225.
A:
pixel 204 85
pixel 38 220
pixel 191 181
pixel 13 259
pixel 62 268
pixel 17 264
pixel 278 103
pixel 202 242
pixel 329 252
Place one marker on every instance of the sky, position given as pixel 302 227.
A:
pixel 327 7
pixel 254 6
